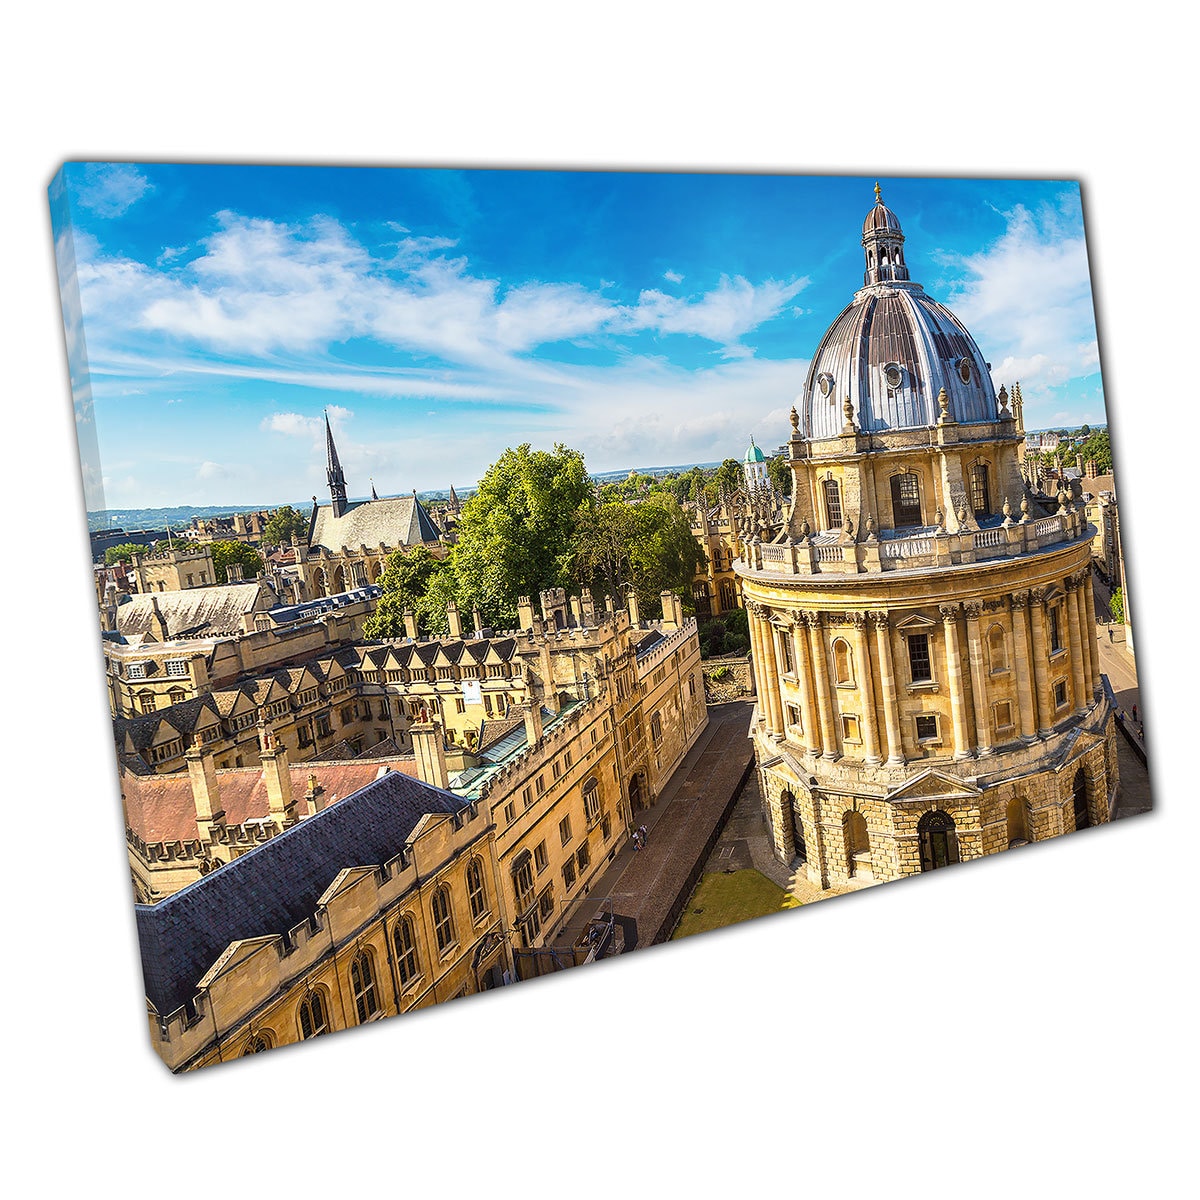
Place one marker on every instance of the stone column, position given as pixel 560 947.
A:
pixel 958 699
pixel 1041 673
pixel 812 726
pixel 768 659
pixel 760 664
pixel 816 641
pixel 975 649
pixel 1087 622
pixel 866 689
pixel 1023 667
pixel 887 678
pixel 1077 651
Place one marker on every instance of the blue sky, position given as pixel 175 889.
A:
pixel 214 312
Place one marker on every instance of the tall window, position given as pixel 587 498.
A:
pixel 591 801
pixel 257 1044
pixel 833 504
pixel 785 653
pixel 362 984
pixel 918 658
pixel 997 654
pixel 443 922
pixel 656 730
pixel 980 500
pixel 906 500
pixel 1055 630
pixel 476 889
pixel 406 951
pixel 523 879
pixel 314 1015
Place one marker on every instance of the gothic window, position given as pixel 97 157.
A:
pixel 362 984
pixel 939 841
pixel 906 500
pixel 919 662
pixel 406 951
pixel 476 889
pixel 314 1015
pixel 257 1044
pixel 980 499
pixel 843 662
pixel 591 801
pixel 833 504
pixel 443 921
pixel 523 879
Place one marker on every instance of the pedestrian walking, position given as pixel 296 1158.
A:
pixel 637 840
pixel 1110 637
pixel 1135 712
pixel 642 833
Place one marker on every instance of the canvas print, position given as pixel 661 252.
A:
pixel 500 571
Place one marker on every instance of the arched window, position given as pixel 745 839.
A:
pixel 1018 823
pixel 939 842
pixel 319 586
pixel 406 951
pixel 906 500
pixel 476 889
pixel 854 830
pixel 443 921
pixel 980 499
pixel 833 504
pixel 843 661
pixel 997 650
pixel 792 814
pixel 728 595
pixel 1079 798
pixel 257 1043
pixel 314 1015
pixel 362 983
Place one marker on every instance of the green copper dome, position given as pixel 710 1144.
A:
pixel 754 454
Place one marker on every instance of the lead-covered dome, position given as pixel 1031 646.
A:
pixel 893 350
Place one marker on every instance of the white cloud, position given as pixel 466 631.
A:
pixel 673 276
pixel 213 470
pixel 297 425
pixel 110 189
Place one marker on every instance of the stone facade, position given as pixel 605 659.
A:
pixel 923 629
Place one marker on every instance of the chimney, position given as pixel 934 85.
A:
pixel 233 572
pixel 549 687
pixel 163 629
pixel 454 618
pixel 312 794
pixel 609 608
pixel 668 609
pixel 588 606
pixel 576 612
pixel 525 612
pixel 477 621
pixel 276 776
pixel 430 753
pixel 635 616
pixel 532 712
pixel 206 796
pixel 410 623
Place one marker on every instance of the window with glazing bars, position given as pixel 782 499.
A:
pixel 906 500
pixel 833 504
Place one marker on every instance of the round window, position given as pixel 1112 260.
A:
pixel 964 370
pixel 825 383
pixel 892 375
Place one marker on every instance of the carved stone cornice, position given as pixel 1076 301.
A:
pixel 881 620
pixel 761 611
pixel 1071 583
pixel 996 604
pixel 857 619
pixel 1037 595
pixel 949 612
pixel 1019 600
pixel 972 608
pixel 811 618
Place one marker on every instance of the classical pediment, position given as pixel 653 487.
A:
pixel 234 955
pixel 933 784
pixel 916 624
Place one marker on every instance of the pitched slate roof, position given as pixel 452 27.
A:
pixel 194 612
pixel 275 886
pixel 399 522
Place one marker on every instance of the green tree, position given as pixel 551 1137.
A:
pixel 729 476
pixel 413 578
pixel 225 553
pixel 1116 606
pixel 780 474
pixel 515 533
pixel 1099 448
pixel 284 524
pixel 123 553
pixel 1085 431
pixel 647 546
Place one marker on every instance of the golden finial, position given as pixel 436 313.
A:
pixel 878 193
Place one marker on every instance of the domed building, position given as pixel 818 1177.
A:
pixel 754 467
pixel 922 628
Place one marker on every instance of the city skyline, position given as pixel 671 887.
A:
pixel 440 316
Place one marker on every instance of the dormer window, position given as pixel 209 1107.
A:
pixel 964 370
pixel 825 383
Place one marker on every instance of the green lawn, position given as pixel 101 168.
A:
pixel 721 900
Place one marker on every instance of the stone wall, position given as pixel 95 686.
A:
pixel 737 679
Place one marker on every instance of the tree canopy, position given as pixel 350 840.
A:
pixel 514 534
pixel 1098 447
pixel 413 578
pixel 226 553
pixel 124 552
pixel 780 474
pixel 284 524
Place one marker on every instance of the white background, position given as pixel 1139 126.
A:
pixel 1028 1023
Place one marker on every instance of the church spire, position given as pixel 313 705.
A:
pixel 374 493
pixel 333 472
pixel 883 245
